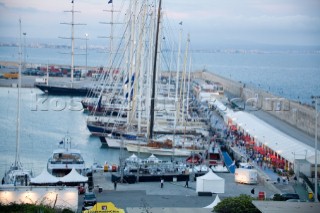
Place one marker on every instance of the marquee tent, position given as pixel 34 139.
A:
pixel 44 178
pixel 133 158
pixel 214 203
pixel 210 182
pixel 153 159
pixel 283 144
pixel 74 177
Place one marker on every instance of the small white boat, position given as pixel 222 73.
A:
pixel 17 176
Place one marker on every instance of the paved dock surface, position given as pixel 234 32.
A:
pixel 173 194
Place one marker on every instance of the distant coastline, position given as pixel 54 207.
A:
pixel 227 50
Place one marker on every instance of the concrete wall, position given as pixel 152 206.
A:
pixel 233 87
pixel 298 115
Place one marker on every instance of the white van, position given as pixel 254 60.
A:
pixel 248 176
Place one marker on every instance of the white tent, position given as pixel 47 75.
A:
pixel 133 158
pixel 283 144
pixel 73 177
pixel 214 203
pixel 153 159
pixel 44 178
pixel 210 182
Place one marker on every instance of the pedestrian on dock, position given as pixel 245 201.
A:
pixel 115 185
pixel 161 182
pixel 187 183
pixel 252 191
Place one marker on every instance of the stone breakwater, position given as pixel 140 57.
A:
pixel 298 115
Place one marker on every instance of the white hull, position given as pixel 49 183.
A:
pixel 117 143
pixel 158 151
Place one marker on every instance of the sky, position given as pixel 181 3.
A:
pixel 209 22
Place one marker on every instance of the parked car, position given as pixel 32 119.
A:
pixel 295 200
pixel 285 196
pixel 89 199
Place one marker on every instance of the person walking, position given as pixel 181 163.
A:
pixel 115 185
pixel 187 183
pixel 252 191
pixel 161 182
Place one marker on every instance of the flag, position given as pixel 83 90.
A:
pixel 110 2
pixel 180 23
pixel 99 103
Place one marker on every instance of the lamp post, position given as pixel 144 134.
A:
pixel 294 159
pixel 25 52
pixel 86 52
pixel 315 98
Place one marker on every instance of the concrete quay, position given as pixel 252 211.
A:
pixel 173 194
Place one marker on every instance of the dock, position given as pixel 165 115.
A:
pixel 174 194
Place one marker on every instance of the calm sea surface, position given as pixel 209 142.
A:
pixel 294 75
pixel 41 131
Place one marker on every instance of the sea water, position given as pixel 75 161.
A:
pixel 291 74
pixel 295 76
pixel 42 126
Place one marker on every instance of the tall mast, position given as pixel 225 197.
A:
pixel 16 162
pixel 183 91
pixel 72 44
pixel 154 75
pixel 177 83
pixel 132 58
pixel 149 65
pixel 111 37
pixel 72 38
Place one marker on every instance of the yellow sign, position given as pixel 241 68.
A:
pixel 105 207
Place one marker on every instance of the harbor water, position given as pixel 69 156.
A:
pixel 289 72
pixel 44 122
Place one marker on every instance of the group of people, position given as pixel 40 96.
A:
pixel 253 151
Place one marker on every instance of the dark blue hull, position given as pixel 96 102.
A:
pixel 56 90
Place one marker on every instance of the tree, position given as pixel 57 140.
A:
pixel 31 208
pixel 240 204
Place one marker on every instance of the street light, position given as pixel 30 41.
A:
pixel 25 52
pixel 315 98
pixel 86 52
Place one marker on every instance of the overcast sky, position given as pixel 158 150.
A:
pixel 209 22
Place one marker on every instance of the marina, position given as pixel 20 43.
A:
pixel 161 169
pixel 149 125
pixel 134 174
